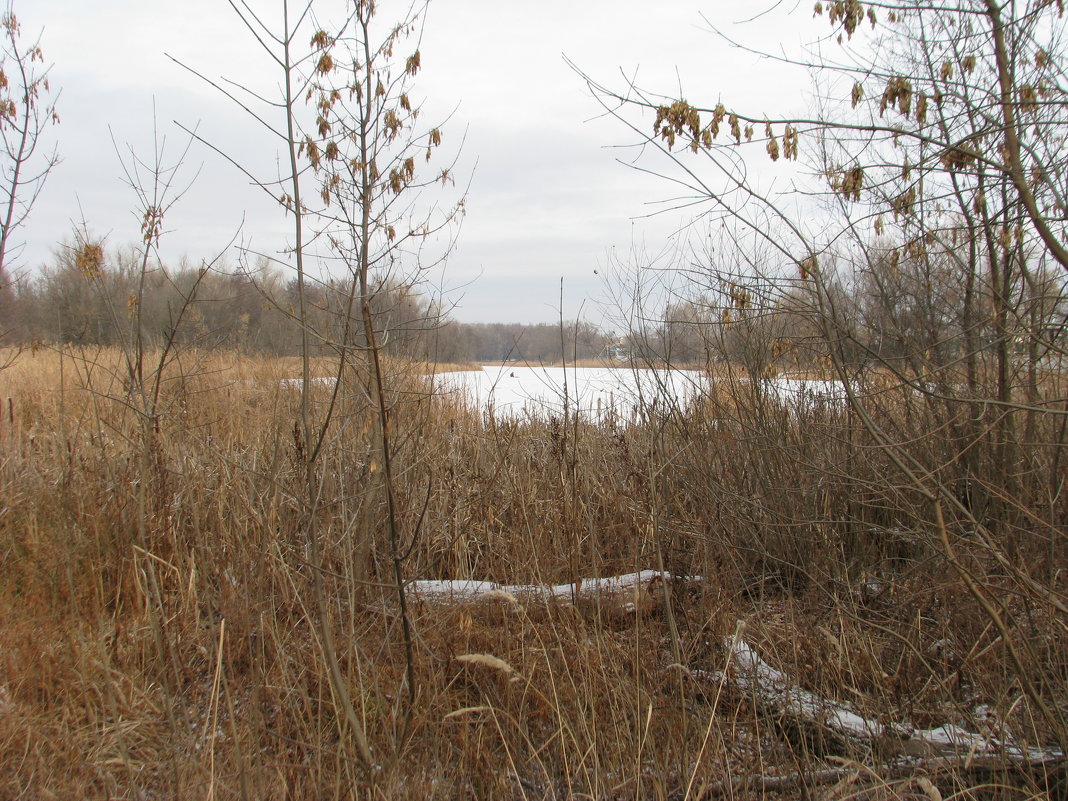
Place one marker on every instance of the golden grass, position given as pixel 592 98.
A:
pixel 158 625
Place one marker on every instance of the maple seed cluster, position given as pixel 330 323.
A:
pixel 850 13
pixel 30 94
pixel 152 225
pixel 89 260
pixel 680 119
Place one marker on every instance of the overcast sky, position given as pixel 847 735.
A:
pixel 548 197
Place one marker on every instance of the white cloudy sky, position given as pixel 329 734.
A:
pixel 548 197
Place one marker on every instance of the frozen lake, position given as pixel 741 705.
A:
pixel 603 394
pixel 597 393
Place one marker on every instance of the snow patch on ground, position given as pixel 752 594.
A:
pixel 471 590
pixel 753 674
pixel 772 687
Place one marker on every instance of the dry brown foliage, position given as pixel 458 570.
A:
pixel 154 615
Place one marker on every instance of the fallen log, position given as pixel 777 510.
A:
pixel 630 589
pixel 774 691
pixel 908 751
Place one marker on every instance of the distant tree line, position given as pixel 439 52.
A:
pixel 538 342
pixel 907 312
pixel 91 297
pixel 87 296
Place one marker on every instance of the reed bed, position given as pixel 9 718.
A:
pixel 158 623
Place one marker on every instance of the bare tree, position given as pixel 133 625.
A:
pixel 351 189
pixel 27 112
pixel 376 221
pixel 932 190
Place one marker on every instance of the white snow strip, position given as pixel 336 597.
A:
pixel 960 740
pixel 471 590
pixel 452 589
pixel 296 383
pixel 771 686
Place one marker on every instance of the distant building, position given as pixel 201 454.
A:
pixel 618 351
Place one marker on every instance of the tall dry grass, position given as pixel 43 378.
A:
pixel 156 621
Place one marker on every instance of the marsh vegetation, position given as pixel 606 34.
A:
pixel 814 547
